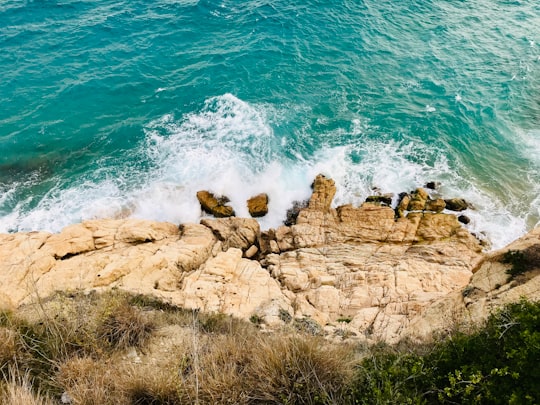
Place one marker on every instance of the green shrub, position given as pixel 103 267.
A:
pixel 498 364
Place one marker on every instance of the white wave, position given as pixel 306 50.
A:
pixel 229 147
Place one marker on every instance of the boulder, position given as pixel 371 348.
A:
pixel 456 204
pixel 437 205
pixel 403 204
pixel 238 233
pixel 215 205
pixel 258 205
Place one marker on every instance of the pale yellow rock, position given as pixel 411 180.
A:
pixel 232 285
pixel 73 239
pixel 324 190
pixel 489 288
pixel 234 232
pixel 252 251
pixel 392 277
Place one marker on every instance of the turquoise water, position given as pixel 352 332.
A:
pixel 127 108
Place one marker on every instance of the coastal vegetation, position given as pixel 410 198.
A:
pixel 120 348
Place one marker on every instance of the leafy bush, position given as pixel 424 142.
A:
pixel 498 364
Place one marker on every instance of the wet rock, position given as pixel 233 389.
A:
pixel 292 213
pixel 214 205
pixel 258 205
pixel 385 199
pixel 435 205
pixel 418 200
pixel 457 204
pixel 433 185
pixel 464 219
pixel 403 205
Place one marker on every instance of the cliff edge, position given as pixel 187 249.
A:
pixel 369 271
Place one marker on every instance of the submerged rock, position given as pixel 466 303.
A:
pixel 433 185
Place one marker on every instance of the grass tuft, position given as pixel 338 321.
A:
pixel 126 326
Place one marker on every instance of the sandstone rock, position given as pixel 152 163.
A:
pixel 252 251
pixel 403 205
pixel 418 200
pixel 232 285
pixel 489 288
pixel 238 233
pixel 73 240
pixel 139 256
pixel 324 190
pixel 214 205
pixel 388 276
pixel 437 205
pixel 258 205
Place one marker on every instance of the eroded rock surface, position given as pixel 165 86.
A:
pixel 385 273
pixel 489 288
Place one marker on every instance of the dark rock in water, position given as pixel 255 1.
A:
pixel 258 205
pixel 433 185
pixel 464 219
pixel 457 204
pixel 292 213
pixel 385 199
pixel 214 205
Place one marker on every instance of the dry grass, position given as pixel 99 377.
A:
pixel 8 348
pixel 300 370
pixel 18 390
pixel 81 345
pixel 126 326
pixel 88 381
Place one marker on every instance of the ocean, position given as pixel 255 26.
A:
pixel 128 108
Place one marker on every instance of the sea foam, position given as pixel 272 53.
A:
pixel 230 147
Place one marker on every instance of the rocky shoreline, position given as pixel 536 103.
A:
pixel 369 272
